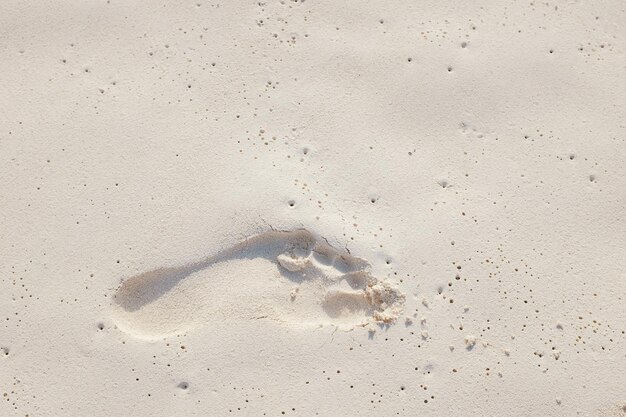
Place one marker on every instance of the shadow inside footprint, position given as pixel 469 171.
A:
pixel 342 304
pixel 149 286
pixel 292 277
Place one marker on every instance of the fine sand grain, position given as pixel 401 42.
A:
pixel 313 208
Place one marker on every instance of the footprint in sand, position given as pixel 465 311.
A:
pixel 288 277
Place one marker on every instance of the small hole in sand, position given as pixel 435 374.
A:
pixel 292 203
pixel 183 385
pixel 101 326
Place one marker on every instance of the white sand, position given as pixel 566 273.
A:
pixel 312 208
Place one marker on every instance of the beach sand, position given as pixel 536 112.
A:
pixel 312 208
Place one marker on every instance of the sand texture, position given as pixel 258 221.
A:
pixel 312 208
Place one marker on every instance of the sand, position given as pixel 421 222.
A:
pixel 312 208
